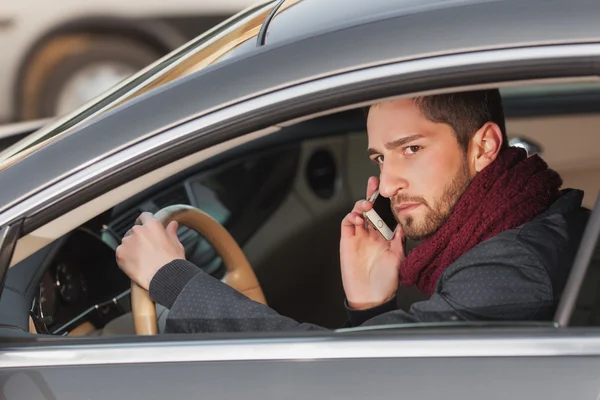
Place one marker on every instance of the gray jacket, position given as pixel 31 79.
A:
pixel 516 275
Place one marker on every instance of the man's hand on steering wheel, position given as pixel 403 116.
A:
pixel 147 247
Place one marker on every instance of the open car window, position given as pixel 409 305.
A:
pixel 285 201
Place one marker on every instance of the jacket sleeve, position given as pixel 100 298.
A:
pixel 484 285
pixel 200 303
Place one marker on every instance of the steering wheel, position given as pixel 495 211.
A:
pixel 239 274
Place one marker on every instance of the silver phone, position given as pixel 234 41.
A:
pixel 376 221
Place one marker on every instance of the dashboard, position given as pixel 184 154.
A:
pixel 83 283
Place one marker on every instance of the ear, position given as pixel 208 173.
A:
pixel 484 147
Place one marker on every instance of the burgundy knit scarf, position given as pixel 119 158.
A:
pixel 508 193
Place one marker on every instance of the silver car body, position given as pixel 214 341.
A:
pixel 317 55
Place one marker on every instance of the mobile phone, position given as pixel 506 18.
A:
pixel 380 216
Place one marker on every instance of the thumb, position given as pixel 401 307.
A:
pixel 172 230
pixel 397 242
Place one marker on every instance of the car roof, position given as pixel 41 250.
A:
pixel 315 17
pixel 310 39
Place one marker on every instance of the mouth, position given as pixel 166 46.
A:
pixel 406 207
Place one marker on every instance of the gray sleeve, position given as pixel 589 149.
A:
pixel 208 305
pixel 200 303
pixel 497 280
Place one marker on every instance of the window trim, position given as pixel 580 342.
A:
pixel 412 344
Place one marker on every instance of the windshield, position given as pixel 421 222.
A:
pixel 207 49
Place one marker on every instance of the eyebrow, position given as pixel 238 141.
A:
pixel 395 144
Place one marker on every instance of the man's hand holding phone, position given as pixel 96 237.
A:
pixel 369 262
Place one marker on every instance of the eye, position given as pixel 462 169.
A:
pixel 378 160
pixel 410 150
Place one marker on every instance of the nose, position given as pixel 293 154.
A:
pixel 391 180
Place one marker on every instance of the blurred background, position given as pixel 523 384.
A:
pixel 57 55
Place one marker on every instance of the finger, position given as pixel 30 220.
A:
pixel 172 230
pixel 145 218
pixel 372 186
pixel 362 206
pixel 397 242
pixel 119 254
pixel 352 225
pixel 126 240
pixel 353 219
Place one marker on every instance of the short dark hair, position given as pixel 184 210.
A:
pixel 465 112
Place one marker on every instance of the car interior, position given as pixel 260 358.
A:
pixel 282 197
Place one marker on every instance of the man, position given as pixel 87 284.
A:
pixel 498 233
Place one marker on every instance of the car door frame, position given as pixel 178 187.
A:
pixel 418 362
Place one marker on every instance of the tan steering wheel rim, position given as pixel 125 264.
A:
pixel 239 274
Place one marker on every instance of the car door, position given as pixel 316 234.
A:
pixel 451 363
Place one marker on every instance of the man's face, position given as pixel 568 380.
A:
pixel 423 170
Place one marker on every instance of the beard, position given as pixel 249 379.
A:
pixel 437 213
